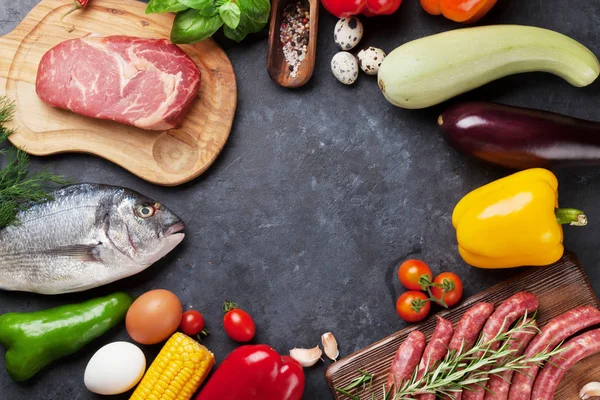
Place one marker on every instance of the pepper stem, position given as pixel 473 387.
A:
pixel 571 216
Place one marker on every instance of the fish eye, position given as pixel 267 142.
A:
pixel 145 211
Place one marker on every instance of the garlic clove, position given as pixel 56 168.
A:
pixel 590 391
pixel 306 357
pixel 330 345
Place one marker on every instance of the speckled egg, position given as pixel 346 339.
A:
pixel 348 32
pixel 370 59
pixel 344 67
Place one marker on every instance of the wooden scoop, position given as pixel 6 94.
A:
pixel 277 65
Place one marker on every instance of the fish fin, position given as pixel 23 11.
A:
pixel 79 252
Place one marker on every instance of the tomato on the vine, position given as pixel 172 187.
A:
pixel 238 324
pixel 449 283
pixel 413 306
pixel 192 323
pixel 410 272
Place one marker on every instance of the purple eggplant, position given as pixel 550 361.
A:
pixel 520 138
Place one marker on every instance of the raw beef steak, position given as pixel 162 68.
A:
pixel 148 83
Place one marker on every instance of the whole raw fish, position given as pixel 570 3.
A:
pixel 88 236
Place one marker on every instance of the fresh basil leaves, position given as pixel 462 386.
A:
pixel 197 20
pixel 191 27
pixel 230 14
pixel 159 6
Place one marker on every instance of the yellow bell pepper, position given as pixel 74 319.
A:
pixel 513 221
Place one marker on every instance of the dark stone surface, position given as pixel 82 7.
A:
pixel 320 193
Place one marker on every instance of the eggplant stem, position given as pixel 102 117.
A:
pixel 571 216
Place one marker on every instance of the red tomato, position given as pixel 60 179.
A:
pixel 344 8
pixel 238 324
pixel 452 280
pixel 192 323
pixel 381 7
pixel 413 306
pixel 410 271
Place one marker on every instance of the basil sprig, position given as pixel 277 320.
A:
pixel 197 20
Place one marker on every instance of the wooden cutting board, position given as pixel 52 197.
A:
pixel 559 288
pixel 165 158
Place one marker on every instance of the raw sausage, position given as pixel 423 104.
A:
pixel 499 385
pixel 581 347
pixel 407 359
pixel 468 328
pixel 435 351
pixel 505 315
pixel 555 331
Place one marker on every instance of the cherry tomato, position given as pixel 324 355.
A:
pixel 238 324
pixel 192 323
pixel 413 306
pixel 410 271
pixel 452 296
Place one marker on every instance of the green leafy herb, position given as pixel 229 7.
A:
pixel 197 20
pixel 230 14
pixel 207 8
pixel 254 16
pixel 18 189
pixel 7 109
pixel 159 6
pixel 191 27
pixel 195 4
pixel 364 379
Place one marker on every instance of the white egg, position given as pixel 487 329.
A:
pixel 115 369
pixel 348 32
pixel 370 59
pixel 344 67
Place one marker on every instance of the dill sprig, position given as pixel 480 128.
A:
pixel 18 189
pixel 462 369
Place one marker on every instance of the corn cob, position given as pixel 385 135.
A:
pixel 178 371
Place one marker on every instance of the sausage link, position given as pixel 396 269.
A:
pixel 436 350
pixel 555 331
pixel 468 328
pixel 581 347
pixel 407 359
pixel 499 385
pixel 505 315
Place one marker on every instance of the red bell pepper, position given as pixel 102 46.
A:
pixel 369 8
pixel 255 372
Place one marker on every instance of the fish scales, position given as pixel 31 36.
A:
pixel 88 236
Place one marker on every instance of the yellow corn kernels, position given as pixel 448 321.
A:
pixel 178 371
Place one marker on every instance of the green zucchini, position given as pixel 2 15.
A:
pixel 433 69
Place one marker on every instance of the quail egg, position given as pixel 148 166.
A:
pixel 348 32
pixel 370 59
pixel 344 67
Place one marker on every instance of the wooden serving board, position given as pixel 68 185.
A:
pixel 165 158
pixel 559 288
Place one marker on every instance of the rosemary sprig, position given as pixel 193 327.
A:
pixel 463 368
pixel 18 189
pixel 364 379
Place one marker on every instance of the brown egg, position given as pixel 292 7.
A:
pixel 154 316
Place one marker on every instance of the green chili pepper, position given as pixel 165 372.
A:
pixel 34 340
